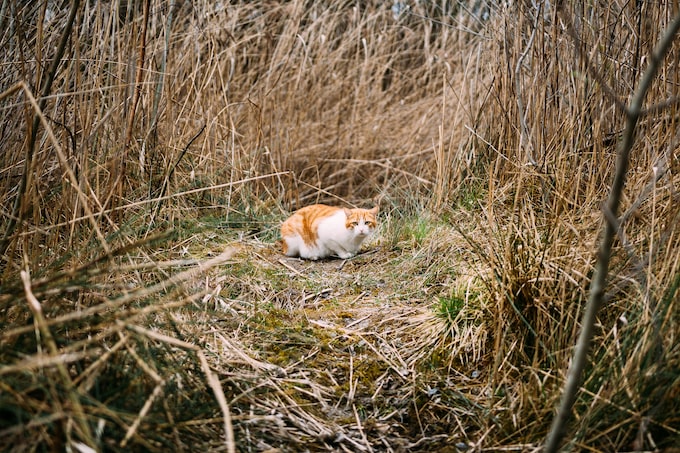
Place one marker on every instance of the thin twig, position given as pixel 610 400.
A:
pixel 289 267
pixel 164 188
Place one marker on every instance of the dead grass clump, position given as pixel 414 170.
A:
pixel 82 361
pixel 542 210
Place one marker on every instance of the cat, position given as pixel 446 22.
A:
pixel 319 231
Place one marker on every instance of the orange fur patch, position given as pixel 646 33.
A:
pixel 304 222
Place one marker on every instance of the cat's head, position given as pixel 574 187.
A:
pixel 362 222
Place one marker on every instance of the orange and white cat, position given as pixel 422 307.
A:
pixel 319 231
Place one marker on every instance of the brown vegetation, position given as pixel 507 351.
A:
pixel 144 304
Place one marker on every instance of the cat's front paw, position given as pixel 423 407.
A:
pixel 345 255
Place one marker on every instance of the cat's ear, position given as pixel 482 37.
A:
pixel 348 212
pixel 374 211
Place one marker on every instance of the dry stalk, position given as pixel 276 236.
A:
pixel 525 140
pixel 142 413
pixel 36 308
pixel 119 167
pixel 216 387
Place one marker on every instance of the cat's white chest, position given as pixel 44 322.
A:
pixel 333 228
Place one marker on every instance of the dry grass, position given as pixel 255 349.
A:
pixel 143 304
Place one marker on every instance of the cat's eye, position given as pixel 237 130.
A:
pixel 354 224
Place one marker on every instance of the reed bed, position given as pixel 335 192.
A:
pixel 150 150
